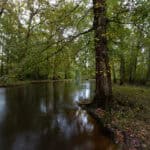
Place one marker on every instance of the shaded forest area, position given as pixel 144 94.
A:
pixel 46 39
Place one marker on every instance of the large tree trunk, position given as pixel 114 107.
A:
pixel 103 91
pixel 148 67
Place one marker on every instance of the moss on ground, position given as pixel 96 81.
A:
pixel 131 112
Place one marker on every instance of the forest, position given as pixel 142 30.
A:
pixel 43 39
pixel 101 42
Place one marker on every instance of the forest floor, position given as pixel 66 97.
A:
pixel 132 112
pixel 130 117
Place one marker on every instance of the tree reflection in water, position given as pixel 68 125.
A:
pixel 45 117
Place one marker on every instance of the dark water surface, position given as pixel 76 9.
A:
pixel 46 117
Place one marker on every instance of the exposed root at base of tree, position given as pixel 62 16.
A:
pixel 126 140
pixel 129 118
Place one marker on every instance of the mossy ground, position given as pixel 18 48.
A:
pixel 131 112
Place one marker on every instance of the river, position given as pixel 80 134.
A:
pixel 45 116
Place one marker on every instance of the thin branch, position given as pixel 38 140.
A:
pixel 71 38
pixel 62 47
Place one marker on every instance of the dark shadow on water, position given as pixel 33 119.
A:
pixel 46 117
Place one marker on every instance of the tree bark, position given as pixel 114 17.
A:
pixel 148 67
pixel 103 93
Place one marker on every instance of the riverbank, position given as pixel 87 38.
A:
pixel 130 117
pixel 19 83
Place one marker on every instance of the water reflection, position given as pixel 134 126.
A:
pixel 85 124
pixel 85 91
pixel 2 104
pixel 44 116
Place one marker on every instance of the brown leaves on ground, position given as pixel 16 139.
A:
pixel 119 136
pixel 100 112
pixel 135 135
pixel 142 131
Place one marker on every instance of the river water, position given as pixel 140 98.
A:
pixel 46 116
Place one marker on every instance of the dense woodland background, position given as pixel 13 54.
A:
pixel 46 39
